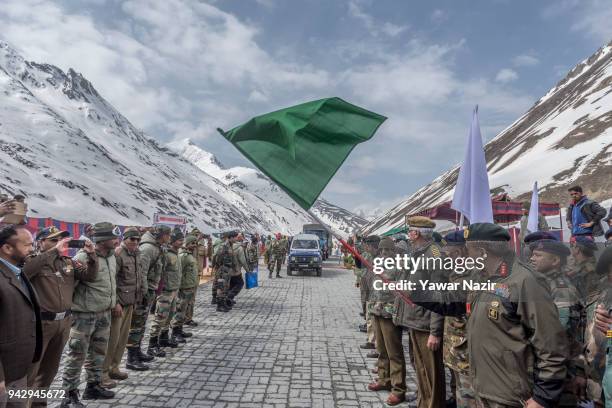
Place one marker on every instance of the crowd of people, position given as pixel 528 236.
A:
pixel 538 338
pixel 98 301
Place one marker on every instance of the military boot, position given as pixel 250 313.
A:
pixel 133 360
pixel 95 391
pixel 154 349
pixel 213 301
pixel 145 358
pixel 222 307
pixel 166 341
pixel 72 400
pixel 177 336
pixel 193 323
pixel 184 333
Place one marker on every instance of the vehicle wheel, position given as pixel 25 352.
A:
pixel 319 270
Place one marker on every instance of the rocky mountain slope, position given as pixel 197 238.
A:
pixel 564 139
pixel 76 158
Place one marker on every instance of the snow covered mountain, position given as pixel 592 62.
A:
pixel 252 181
pixel 564 139
pixel 76 158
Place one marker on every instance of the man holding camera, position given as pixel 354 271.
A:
pixel 92 303
pixel 51 273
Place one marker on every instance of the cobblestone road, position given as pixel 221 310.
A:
pixel 291 342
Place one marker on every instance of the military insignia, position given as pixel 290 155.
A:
pixel 435 251
pixel 502 290
pixel 466 233
pixel 495 304
pixel 493 313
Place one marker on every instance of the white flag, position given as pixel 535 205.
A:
pixel 534 210
pixel 472 197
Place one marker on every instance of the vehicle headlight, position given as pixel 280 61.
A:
pixel 293 259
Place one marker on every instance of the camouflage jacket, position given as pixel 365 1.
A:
pixel 172 273
pixel 223 259
pixel 382 301
pixel 152 258
pixel 252 255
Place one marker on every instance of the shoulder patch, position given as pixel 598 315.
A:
pixel 435 251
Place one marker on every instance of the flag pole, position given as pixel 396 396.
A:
pixel 355 253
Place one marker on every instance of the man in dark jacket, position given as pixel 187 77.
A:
pixel 21 338
pixel 583 215
pixel 425 327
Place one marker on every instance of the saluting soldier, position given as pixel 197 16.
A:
pixel 517 347
pixel 549 257
pixel 53 276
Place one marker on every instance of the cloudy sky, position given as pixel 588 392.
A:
pixel 179 69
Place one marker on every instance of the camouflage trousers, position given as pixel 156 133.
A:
pixel 86 347
pixel 139 319
pixel 191 306
pixel 185 298
pixel 221 284
pixel 164 312
pixel 275 263
pixel 465 396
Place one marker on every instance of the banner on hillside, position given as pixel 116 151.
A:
pixel 171 221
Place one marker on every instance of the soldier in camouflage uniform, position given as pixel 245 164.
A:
pixel 549 257
pixel 218 242
pixel 581 273
pixel 277 255
pixel 224 265
pixel 454 346
pixel 92 302
pixel 151 258
pixel 166 301
pixel 189 285
pixel 204 251
pixel 252 252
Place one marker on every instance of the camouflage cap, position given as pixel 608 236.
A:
pixel 131 232
pixel 105 231
pixel 160 230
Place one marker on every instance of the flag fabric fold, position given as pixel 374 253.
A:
pixel 301 147
pixel 472 196
pixel 534 210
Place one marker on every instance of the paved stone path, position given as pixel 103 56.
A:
pixel 291 342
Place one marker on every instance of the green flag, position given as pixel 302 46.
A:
pixel 303 146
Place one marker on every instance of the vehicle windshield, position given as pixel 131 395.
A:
pixel 304 244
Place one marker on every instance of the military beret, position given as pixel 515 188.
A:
pixel 105 231
pixel 608 233
pixel 51 232
pixel 131 232
pixel 485 231
pixel 546 242
pixel 584 242
pixel 454 238
pixel 438 238
pixel 419 221
pixel 190 239
pixel 386 243
pixel 539 235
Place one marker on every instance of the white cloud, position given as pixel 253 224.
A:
pixel 525 60
pixel 591 17
pixel 506 75
pixel 439 16
pixel 374 27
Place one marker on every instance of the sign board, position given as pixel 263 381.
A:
pixel 170 220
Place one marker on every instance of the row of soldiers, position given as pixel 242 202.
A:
pixel 533 339
pixel 98 302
